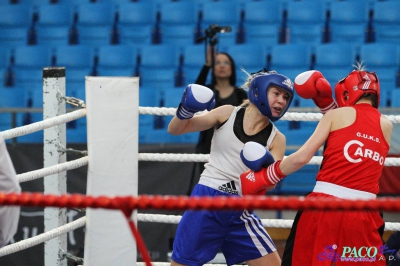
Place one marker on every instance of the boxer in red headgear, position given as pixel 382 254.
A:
pixel 356 138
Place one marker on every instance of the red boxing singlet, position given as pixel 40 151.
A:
pixel 363 145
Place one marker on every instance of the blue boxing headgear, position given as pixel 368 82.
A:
pixel 258 92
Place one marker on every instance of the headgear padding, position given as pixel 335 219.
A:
pixel 351 88
pixel 258 92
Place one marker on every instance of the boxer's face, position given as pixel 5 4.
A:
pixel 277 99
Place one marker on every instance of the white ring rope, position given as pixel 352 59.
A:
pixel 272 223
pixel 58 168
pixel 50 122
pixel 185 157
pixel 36 240
pixel 160 157
pixel 47 123
pixel 291 116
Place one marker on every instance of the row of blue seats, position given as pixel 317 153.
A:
pixel 283 56
pixel 184 21
pixel 165 66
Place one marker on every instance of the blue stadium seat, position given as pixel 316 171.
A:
pixel 28 64
pixel 179 35
pixel 117 60
pixel 260 33
pixel 78 61
pixel 349 21
pixel 178 22
pixel 384 58
pixel 173 97
pixel 349 12
pixel 290 59
pixel 161 56
pixel 194 59
pixel 136 21
pixel 300 182
pixel 150 97
pixel 28 57
pixel 14 24
pixel 54 22
pixel 194 56
pixel 386 66
pixel 396 98
pixel 335 60
pixel 157 78
pixel 153 128
pixel 263 12
pixel 33 98
pixel 74 56
pixel 35 3
pixel 222 13
pixel 354 34
pixel 386 21
pixel 334 55
pixel 5 55
pixel 73 3
pixel 250 57
pixel 77 135
pixel 11 97
pixel 305 21
pixel 95 22
pixel 15 16
pixel 178 13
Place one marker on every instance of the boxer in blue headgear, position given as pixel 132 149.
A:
pixel 259 84
pixel 239 234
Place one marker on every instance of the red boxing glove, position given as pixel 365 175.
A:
pixel 257 183
pixel 312 85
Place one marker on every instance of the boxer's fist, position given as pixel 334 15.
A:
pixel 312 85
pixel 257 183
pixel 195 98
pixel 255 156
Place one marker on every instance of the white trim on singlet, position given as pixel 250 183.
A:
pixel 342 192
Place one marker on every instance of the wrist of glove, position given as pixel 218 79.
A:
pixel 182 113
pixel 325 103
pixel 273 173
pixel 256 183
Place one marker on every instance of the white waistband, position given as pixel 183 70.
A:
pixel 231 187
pixel 342 192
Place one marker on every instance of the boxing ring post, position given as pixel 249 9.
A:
pixel 112 105
pixel 53 105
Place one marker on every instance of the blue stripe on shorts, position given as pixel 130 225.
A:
pixel 239 235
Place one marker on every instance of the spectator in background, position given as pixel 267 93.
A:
pixel 9 215
pixel 223 83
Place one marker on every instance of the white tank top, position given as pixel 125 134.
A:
pixel 224 167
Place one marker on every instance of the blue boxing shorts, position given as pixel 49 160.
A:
pixel 239 235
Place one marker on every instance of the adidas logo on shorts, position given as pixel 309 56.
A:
pixel 229 188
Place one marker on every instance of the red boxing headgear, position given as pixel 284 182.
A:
pixel 349 89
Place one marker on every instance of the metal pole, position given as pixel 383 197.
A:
pixel 54 138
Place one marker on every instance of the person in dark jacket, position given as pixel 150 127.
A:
pixel 223 83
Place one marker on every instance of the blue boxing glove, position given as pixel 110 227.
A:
pixel 195 98
pixel 256 156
